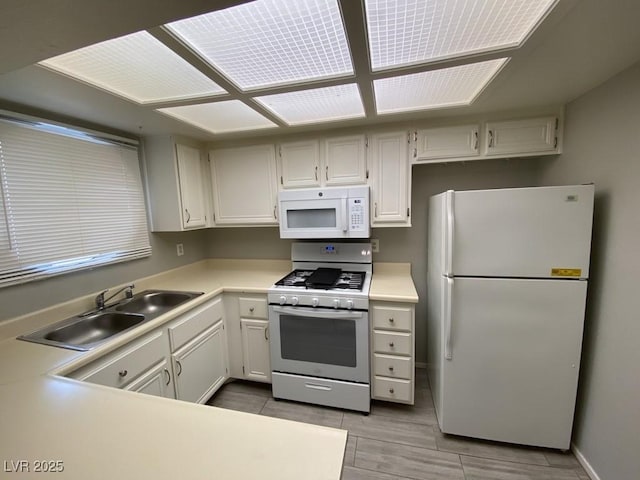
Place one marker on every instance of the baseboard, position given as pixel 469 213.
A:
pixel 421 365
pixel 585 464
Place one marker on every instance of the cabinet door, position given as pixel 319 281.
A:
pixel 446 142
pixel 157 381
pixel 390 179
pixel 345 160
pixel 299 164
pixel 255 350
pixel 244 185
pixel 200 366
pixel 530 136
pixel 191 187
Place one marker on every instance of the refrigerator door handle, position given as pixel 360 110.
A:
pixel 448 354
pixel 450 232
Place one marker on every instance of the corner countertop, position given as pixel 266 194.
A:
pixel 392 282
pixel 101 432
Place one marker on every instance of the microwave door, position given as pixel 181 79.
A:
pixel 313 218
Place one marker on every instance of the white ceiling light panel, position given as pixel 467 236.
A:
pixel 447 87
pixel 317 105
pixel 271 42
pixel 137 67
pixel 408 32
pixel 220 117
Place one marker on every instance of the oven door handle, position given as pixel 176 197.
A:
pixel 314 312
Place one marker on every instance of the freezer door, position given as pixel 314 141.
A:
pixel 542 232
pixel 515 355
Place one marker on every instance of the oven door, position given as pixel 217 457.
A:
pixel 320 342
pixel 317 218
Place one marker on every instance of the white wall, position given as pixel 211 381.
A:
pixel 602 145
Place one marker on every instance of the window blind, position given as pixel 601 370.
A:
pixel 69 201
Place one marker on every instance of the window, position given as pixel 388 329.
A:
pixel 69 200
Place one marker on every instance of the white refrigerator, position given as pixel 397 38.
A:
pixel 507 285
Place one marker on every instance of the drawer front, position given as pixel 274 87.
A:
pixel 392 389
pixel 392 318
pixel 195 322
pixel 124 366
pixel 392 366
pixel 392 342
pixel 251 307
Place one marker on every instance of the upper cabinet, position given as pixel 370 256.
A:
pixel 244 186
pixel 390 180
pixel 483 140
pixel 327 162
pixel 447 142
pixel 530 136
pixel 178 189
pixel 299 164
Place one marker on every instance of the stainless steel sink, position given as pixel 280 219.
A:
pixel 94 328
pixel 88 330
pixel 154 302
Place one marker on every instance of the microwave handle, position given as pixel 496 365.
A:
pixel 345 225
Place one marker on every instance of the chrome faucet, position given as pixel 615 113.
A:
pixel 101 301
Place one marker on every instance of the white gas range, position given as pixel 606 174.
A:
pixel 319 323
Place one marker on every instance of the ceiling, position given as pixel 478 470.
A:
pixel 580 44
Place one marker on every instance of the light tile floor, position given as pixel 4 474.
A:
pixel 402 442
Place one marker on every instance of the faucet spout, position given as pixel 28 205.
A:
pixel 101 301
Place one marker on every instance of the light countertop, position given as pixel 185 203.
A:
pixel 102 432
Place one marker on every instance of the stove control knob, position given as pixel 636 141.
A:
pixel 336 303
pixel 349 304
pixel 294 300
pixel 283 300
pixel 315 302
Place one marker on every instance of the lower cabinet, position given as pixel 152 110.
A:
pixel 248 337
pixel 156 381
pixel 392 352
pixel 255 349
pixel 200 365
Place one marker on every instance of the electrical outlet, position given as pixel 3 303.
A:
pixel 375 245
pixel 180 249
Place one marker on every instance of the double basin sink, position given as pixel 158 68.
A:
pixel 86 331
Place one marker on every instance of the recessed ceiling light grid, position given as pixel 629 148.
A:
pixel 316 105
pixel 447 87
pixel 220 117
pixel 405 32
pixel 137 67
pixel 271 42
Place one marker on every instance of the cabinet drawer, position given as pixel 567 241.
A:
pixel 392 342
pixel 392 389
pixel 125 365
pixel 253 307
pixel 392 318
pixel 392 366
pixel 195 322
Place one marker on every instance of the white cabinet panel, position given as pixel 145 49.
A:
pixel 179 191
pixel 244 185
pixel 390 179
pixel 255 350
pixel 157 381
pixel 200 366
pixel 519 137
pixel 192 192
pixel 345 160
pixel 299 164
pixel 446 142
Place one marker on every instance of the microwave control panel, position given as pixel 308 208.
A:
pixel 358 218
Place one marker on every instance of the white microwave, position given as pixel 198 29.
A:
pixel 331 212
